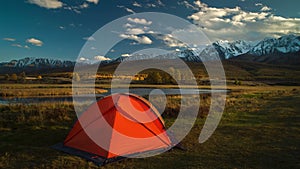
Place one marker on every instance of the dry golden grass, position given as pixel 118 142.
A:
pixel 37 90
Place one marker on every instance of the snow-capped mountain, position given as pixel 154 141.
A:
pixel 141 56
pixel 133 57
pixel 284 44
pixel 268 50
pixel 228 50
pixel 38 62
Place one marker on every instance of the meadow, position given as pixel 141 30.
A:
pixel 40 90
pixel 260 128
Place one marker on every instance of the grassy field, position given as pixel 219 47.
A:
pixel 39 90
pixel 260 128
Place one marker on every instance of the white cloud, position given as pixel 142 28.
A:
pixel 135 31
pixel 171 42
pixel 20 46
pixel 151 5
pixel 236 23
pixel 141 21
pixel 156 4
pixel 93 1
pixel 132 31
pixel 127 9
pixel 266 8
pixel 126 55
pixel 62 27
pixel 199 4
pixel 187 5
pixel 136 4
pixel 84 5
pixel 152 32
pixel 9 39
pixel 83 59
pixel 17 45
pixel 53 4
pixel 128 25
pixel 49 4
pixel 141 40
pixel 160 3
pixel 101 58
pixel 89 38
pixel 75 9
pixel 35 42
pixel 243 17
pixel 263 8
pixel 141 28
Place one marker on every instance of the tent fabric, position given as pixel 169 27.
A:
pixel 125 124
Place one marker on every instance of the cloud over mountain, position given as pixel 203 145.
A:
pixel 236 23
pixel 101 58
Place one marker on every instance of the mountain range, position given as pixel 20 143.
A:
pixel 284 50
pixel 269 49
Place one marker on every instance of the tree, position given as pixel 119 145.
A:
pixel 39 77
pixel 166 78
pixel 6 76
pixel 76 77
pixel 14 77
pixel 237 82
pixel 23 76
pixel 172 70
pixel 158 78
pixel 178 75
pixel 155 78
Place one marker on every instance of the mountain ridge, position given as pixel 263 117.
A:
pixel 269 50
pixel 229 50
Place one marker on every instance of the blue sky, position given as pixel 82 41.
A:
pixel 59 28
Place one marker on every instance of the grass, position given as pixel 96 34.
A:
pixel 21 90
pixel 260 128
pixel 36 90
pixel 30 90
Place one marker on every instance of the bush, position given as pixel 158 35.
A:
pixel 237 82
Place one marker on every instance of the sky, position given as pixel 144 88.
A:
pixel 59 29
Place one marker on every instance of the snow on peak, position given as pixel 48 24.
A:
pixel 230 49
pixel 284 44
pixel 41 62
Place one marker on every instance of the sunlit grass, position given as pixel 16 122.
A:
pixel 40 90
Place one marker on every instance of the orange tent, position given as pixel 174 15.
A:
pixel 117 126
